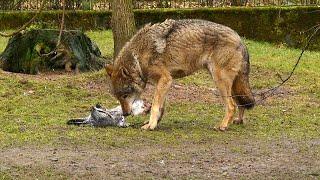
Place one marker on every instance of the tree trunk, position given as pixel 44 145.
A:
pixel 123 25
pixel 236 3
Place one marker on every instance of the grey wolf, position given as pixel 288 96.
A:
pixel 160 52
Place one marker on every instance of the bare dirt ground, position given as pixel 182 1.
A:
pixel 279 159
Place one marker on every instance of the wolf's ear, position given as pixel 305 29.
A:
pixel 109 69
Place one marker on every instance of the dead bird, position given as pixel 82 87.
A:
pixel 102 117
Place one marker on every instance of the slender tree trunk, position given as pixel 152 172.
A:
pixel 236 3
pixel 123 25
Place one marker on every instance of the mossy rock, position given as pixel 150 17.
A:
pixel 36 50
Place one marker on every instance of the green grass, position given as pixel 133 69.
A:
pixel 104 40
pixel 34 109
pixel 3 43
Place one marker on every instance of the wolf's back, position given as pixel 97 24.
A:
pixel 182 34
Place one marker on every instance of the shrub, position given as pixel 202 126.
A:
pixel 273 24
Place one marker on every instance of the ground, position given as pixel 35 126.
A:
pixel 281 139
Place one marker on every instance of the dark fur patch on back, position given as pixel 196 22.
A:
pixel 173 29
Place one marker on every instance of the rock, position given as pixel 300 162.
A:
pixel 54 159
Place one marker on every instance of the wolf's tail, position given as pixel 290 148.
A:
pixel 77 122
pixel 241 88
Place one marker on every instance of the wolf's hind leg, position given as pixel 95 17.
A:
pixel 164 81
pixel 224 80
pixel 240 119
pixel 230 106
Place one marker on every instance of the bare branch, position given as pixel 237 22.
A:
pixel 62 22
pixel 27 24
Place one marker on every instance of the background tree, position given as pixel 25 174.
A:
pixel 123 24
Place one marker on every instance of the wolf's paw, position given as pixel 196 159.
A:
pixel 220 128
pixel 238 121
pixel 148 127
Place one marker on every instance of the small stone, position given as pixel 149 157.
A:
pixel 225 168
pixel 162 162
pixel 54 159
pixel 90 167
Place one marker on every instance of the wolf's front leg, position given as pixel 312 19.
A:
pixel 162 88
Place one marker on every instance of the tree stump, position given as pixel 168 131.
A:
pixel 36 51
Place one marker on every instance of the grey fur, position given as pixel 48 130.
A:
pixel 100 117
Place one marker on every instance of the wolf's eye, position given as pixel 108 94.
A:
pixel 124 96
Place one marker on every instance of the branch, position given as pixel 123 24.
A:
pixel 62 22
pixel 27 24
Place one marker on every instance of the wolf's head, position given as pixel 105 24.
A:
pixel 127 80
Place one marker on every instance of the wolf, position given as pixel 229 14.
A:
pixel 172 49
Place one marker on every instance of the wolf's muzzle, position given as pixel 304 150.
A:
pixel 126 114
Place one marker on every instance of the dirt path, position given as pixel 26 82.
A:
pixel 234 159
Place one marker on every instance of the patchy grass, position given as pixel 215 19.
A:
pixel 3 43
pixel 34 110
pixel 104 40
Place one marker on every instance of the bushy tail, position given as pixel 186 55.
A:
pixel 242 93
pixel 241 88
pixel 77 122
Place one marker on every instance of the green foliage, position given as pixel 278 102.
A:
pixel 273 24
pixel 73 20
